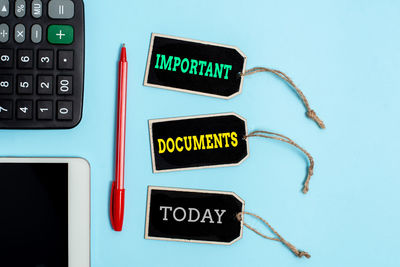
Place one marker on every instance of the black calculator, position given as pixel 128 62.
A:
pixel 42 50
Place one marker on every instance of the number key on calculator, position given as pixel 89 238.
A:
pixel 42 54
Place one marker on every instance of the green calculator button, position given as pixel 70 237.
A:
pixel 60 34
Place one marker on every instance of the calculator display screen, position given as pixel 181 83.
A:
pixel 34 214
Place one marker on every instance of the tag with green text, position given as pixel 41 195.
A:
pixel 194 66
pixel 198 142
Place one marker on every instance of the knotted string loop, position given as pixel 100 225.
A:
pixel 286 139
pixel 310 112
pixel 279 238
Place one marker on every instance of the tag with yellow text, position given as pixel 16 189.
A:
pixel 194 66
pixel 198 142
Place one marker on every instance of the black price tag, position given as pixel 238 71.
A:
pixel 193 215
pixel 201 216
pixel 198 142
pixel 194 66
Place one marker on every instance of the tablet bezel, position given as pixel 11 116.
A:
pixel 78 206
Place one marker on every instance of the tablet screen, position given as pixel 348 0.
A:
pixel 34 214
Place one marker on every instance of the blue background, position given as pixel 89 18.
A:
pixel 343 54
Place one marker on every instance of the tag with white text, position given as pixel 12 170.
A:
pixel 193 215
pixel 201 216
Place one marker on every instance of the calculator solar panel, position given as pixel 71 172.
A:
pixel 41 63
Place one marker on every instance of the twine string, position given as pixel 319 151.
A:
pixel 279 238
pixel 282 138
pixel 310 112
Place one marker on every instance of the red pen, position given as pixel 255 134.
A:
pixel 117 201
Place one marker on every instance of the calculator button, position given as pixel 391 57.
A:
pixel 6 84
pixel 6 58
pixel 5 109
pixel 20 8
pixel 64 85
pixel 60 34
pixel 64 110
pixel 25 59
pixel 25 84
pixel 24 109
pixel 36 33
pixel 45 85
pixel 4 33
pixel 44 110
pixel 19 33
pixel 61 9
pixel 65 60
pixel 37 8
pixel 4 8
pixel 45 59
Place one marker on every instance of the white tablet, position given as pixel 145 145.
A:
pixel 45 212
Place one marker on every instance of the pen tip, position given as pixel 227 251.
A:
pixel 123 45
